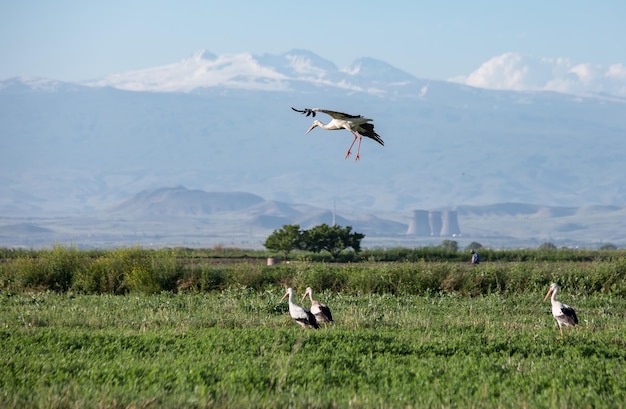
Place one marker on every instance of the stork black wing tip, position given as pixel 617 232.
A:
pixel 307 111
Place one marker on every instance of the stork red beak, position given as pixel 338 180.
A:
pixel 311 128
pixel 304 296
pixel 286 294
pixel 548 294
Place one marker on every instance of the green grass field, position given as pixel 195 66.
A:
pixel 238 347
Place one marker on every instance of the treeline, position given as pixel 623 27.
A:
pixel 430 270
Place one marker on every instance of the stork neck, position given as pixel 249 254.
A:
pixel 553 298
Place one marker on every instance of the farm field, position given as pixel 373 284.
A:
pixel 238 347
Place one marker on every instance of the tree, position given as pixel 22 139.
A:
pixel 333 239
pixel 450 245
pixel 285 239
pixel 474 246
pixel 608 246
pixel 547 246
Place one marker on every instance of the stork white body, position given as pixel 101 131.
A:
pixel 300 314
pixel 358 126
pixel 321 311
pixel 563 313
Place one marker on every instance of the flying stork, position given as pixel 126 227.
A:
pixel 358 126
pixel 321 311
pixel 300 314
pixel 563 314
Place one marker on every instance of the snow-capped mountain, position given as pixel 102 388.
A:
pixel 267 72
pixel 40 85
pixel 288 71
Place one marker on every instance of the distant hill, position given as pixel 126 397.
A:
pixel 181 202
pixel 517 209
pixel 168 216
pixel 22 229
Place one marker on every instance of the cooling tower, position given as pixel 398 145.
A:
pixel 450 223
pixel 434 221
pixel 418 225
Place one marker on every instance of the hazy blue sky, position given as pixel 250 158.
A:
pixel 76 40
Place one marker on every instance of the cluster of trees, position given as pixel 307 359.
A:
pixel 333 239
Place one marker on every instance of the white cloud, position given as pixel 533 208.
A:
pixel 585 72
pixel 502 72
pixel 518 72
pixel 617 71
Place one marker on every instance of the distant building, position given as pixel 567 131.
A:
pixel 434 223
pixel 418 224
pixel 434 220
pixel 450 223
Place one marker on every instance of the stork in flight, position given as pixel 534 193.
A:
pixel 563 314
pixel 358 125
pixel 321 311
pixel 300 314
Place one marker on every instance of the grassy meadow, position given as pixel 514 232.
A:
pixel 105 333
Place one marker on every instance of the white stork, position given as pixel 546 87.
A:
pixel 300 314
pixel 563 314
pixel 321 311
pixel 358 126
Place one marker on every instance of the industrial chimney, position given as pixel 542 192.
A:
pixel 418 225
pixel 434 221
pixel 450 223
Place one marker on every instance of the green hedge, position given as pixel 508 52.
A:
pixel 129 270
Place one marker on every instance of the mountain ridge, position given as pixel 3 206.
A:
pixel 174 216
pixel 76 149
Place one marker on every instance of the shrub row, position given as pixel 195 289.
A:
pixel 422 278
pixel 138 270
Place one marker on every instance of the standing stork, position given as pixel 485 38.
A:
pixel 300 314
pixel 358 126
pixel 563 314
pixel 321 311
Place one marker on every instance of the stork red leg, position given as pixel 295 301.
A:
pixel 358 149
pixel 352 144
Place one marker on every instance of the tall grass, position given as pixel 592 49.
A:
pixel 136 270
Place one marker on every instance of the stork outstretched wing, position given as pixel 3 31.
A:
pixel 333 114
